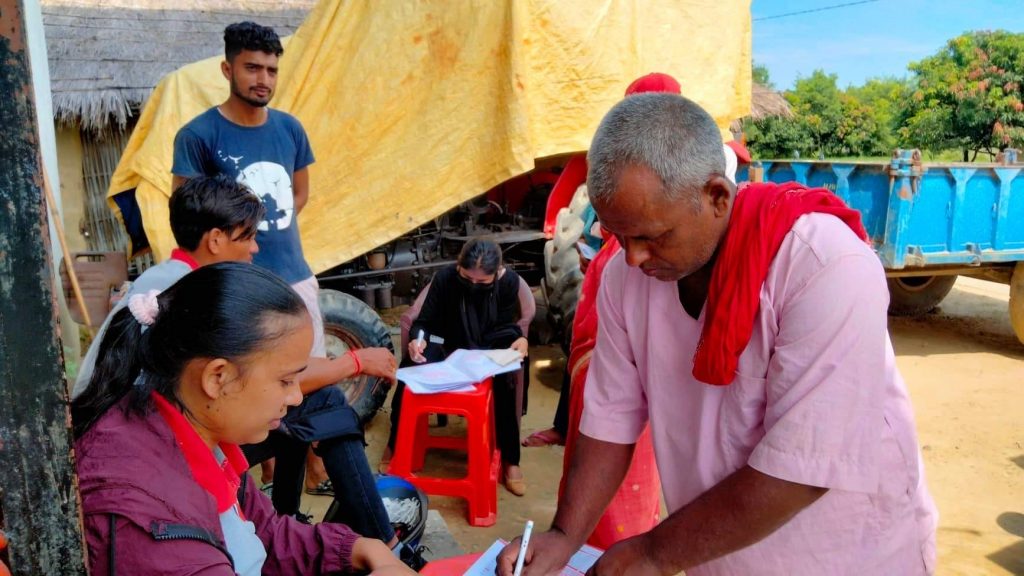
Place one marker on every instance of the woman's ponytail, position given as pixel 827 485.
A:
pixel 117 367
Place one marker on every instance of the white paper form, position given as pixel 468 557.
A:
pixel 456 373
pixel 434 378
pixel 582 560
pixel 578 565
pixel 477 365
pixel 487 564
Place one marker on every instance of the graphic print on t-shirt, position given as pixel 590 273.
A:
pixel 270 183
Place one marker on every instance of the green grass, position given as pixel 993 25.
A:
pixel 945 156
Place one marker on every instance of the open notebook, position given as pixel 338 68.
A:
pixel 578 565
pixel 459 371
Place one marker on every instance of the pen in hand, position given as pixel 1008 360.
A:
pixel 523 546
pixel 420 345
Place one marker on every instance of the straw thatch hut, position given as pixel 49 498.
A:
pixel 105 57
pixel 764 102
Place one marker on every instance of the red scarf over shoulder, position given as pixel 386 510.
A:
pixel 219 480
pixel 762 215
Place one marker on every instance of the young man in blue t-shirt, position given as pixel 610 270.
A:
pixel 265 149
pixel 268 151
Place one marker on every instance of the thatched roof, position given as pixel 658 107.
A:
pixel 107 55
pixel 765 102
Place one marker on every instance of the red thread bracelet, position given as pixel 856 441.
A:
pixel 359 365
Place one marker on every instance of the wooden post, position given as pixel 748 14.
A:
pixel 37 490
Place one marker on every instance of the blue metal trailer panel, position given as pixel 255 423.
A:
pixel 923 215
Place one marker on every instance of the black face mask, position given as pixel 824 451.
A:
pixel 473 289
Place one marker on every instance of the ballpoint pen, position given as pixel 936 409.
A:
pixel 522 548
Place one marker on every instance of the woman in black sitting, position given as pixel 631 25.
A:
pixel 473 305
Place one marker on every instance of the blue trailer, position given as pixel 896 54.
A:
pixel 929 223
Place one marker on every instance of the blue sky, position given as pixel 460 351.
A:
pixel 863 41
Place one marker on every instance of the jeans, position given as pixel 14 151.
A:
pixel 324 416
pixel 355 489
pixel 289 468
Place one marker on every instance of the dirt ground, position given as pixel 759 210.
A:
pixel 965 371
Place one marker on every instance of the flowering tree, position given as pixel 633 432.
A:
pixel 969 95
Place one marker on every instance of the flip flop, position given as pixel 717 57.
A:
pixel 546 437
pixel 268 489
pixel 324 488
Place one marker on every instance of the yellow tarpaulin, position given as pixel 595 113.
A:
pixel 413 107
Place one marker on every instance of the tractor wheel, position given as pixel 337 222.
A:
pixel 350 324
pixel 562 262
pixel 1017 301
pixel 916 295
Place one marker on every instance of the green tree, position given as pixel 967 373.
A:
pixel 816 103
pixel 759 74
pixel 882 100
pixel 777 137
pixel 827 121
pixel 968 96
pixel 858 132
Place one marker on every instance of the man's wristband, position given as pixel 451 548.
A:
pixel 355 358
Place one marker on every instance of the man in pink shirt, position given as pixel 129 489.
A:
pixel 807 461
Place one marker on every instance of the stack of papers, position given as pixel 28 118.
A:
pixel 459 371
pixel 578 565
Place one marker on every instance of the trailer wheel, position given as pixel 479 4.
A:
pixel 1017 301
pixel 562 275
pixel 916 295
pixel 350 324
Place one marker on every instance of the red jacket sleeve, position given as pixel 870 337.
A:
pixel 135 551
pixel 294 547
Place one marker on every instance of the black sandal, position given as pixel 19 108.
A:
pixel 324 488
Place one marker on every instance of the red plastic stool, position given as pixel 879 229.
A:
pixel 449 566
pixel 480 485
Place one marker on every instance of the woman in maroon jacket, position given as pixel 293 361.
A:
pixel 183 378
